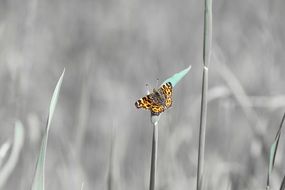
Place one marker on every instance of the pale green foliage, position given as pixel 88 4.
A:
pixel 273 151
pixel 39 178
pixel 174 79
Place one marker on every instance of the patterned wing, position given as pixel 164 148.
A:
pixel 167 91
pixel 168 102
pixel 150 102
pixel 145 102
pixel 157 101
pixel 156 109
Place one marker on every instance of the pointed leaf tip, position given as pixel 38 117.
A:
pixel 174 79
pixel 54 98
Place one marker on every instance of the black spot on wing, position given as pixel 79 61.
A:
pixel 169 84
pixel 137 104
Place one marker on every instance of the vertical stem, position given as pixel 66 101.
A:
pixel 282 184
pixel 83 109
pixel 202 132
pixel 153 156
pixel 110 177
pixel 207 40
pixel 207 45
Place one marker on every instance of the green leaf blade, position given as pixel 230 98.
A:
pixel 174 79
pixel 272 156
pixel 54 98
pixel 39 178
pixel 273 151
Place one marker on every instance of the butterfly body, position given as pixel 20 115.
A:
pixel 158 101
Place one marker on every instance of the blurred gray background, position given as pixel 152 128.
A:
pixel 111 49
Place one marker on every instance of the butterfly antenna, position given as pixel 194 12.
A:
pixel 157 79
pixel 147 89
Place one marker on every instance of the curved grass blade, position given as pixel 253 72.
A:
pixel 39 181
pixel 4 150
pixel 10 165
pixel 282 187
pixel 273 151
pixel 174 79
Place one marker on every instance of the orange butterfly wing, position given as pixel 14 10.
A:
pixel 144 102
pixel 157 109
pixel 167 91
pixel 150 102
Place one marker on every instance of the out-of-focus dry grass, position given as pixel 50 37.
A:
pixel 110 49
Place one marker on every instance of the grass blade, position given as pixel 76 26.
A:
pixel 39 180
pixel 3 151
pixel 202 130
pixel 15 153
pixel 273 151
pixel 207 46
pixel 282 187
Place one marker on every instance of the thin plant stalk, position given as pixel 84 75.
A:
pixel 84 105
pixel 283 184
pixel 110 174
pixel 154 120
pixel 202 132
pixel 207 45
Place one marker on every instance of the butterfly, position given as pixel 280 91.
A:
pixel 158 101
